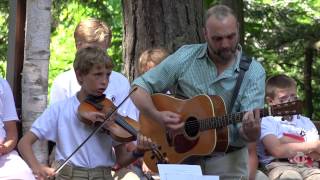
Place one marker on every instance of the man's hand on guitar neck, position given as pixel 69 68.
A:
pixel 169 119
pixel 251 126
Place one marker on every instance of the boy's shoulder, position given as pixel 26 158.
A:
pixel 63 104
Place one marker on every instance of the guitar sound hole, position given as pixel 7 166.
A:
pixel 192 127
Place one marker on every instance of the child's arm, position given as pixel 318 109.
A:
pixel 25 148
pixel 314 154
pixel 286 139
pixel 283 148
pixel 11 137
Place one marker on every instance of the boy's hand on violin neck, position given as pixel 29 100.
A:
pixel 143 143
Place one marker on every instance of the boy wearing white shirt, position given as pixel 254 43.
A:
pixel 11 164
pixel 94 32
pixel 60 123
pixel 289 145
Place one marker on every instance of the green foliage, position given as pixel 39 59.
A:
pixel 4 15
pixel 278 33
pixel 66 15
pixel 209 3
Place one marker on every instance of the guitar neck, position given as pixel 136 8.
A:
pixel 223 121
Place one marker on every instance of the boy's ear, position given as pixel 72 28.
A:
pixel 79 77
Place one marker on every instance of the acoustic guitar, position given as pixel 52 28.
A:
pixel 205 129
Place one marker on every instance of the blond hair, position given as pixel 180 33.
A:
pixel 154 55
pixel 92 31
pixel 88 57
pixel 280 81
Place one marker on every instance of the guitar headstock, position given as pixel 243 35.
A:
pixel 284 109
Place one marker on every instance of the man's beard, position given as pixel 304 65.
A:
pixel 224 56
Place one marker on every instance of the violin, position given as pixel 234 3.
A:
pixel 123 129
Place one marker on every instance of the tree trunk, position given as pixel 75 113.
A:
pixel 309 54
pixel 159 23
pixel 237 7
pixel 35 68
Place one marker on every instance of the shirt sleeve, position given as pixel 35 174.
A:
pixel 9 110
pixel 251 98
pixel 269 126
pixel 254 92
pixel 43 126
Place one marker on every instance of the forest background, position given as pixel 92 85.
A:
pixel 283 35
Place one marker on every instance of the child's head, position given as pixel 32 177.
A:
pixel 150 58
pixel 92 32
pixel 280 89
pixel 93 68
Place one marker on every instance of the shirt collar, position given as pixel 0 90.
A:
pixel 236 66
pixel 203 52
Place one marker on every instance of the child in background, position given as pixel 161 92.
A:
pixel 11 164
pixel 288 145
pixel 147 60
pixel 150 58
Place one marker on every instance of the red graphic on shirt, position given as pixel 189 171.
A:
pixel 300 159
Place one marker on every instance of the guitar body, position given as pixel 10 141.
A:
pixel 178 146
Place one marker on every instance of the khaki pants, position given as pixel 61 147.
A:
pixel 80 173
pixel 286 170
pixel 99 173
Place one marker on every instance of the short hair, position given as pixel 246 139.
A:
pixel 220 12
pixel 280 81
pixel 92 31
pixel 155 55
pixel 89 56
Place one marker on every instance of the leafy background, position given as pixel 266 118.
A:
pixel 277 33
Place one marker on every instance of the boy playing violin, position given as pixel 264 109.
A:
pixel 60 123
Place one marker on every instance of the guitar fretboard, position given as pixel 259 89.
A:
pixel 223 121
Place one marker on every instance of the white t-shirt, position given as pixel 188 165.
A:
pixel 66 85
pixel 7 107
pixel 59 123
pixel 300 126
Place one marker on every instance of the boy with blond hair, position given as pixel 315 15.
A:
pixel 60 123
pixel 93 32
pixel 150 58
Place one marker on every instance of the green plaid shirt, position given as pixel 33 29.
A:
pixel 192 72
